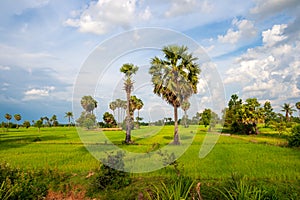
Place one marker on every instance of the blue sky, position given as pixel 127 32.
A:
pixel 253 45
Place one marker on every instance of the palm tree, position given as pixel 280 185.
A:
pixel 175 78
pixel 288 109
pixel 113 106
pixel 128 70
pixel 8 117
pixel 139 106
pixel 17 118
pixel 88 103
pixel 185 106
pixel 69 115
pixel 298 106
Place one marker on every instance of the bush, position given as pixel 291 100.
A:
pixel 112 175
pixel 294 139
pixel 18 184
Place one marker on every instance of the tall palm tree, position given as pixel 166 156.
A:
pixel 8 117
pixel 17 118
pixel 185 106
pixel 175 78
pixel 288 109
pixel 128 70
pixel 69 115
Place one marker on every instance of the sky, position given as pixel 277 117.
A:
pixel 48 46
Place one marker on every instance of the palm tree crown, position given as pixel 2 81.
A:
pixel 288 109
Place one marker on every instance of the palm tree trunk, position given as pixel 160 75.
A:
pixel 176 135
pixel 128 121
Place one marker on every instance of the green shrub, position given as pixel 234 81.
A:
pixel 294 139
pixel 112 175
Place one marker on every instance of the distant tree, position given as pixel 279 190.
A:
pixel 185 106
pixel 87 120
pixel 38 124
pixel 298 106
pixel 206 117
pixel 128 70
pixel 139 106
pixel 109 120
pixel 113 106
pixel 175 78
pixel 54 121
pixel 69 115
pixel 288 109
pixel 17 118
pixel 8 117
pixel 26 124
pixel 88 103
pixel 268 113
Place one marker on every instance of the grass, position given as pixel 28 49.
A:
pixel 62 148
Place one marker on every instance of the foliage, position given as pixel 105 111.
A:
pixel 17 118
pixel 288 109
pixel 18 184
pixel 38 124
pixel 87 120
pixel 268 113
pixel 175 78
pixel 179 188
pixel 26 124
pixel 109 120
pixel 111 174
pixel 69 115
pixel 88 103
pixel 294 139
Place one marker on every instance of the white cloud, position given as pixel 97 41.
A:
pixel 245 30
pixel 184 7
pixel 270 7
pixel 270 71
pixel 36 93
pixel 103 16
pixel 4 68
pixel 274 35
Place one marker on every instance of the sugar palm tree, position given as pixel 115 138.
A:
pixel 128 70
pixel 288 109
pixel 139 106
pixel 69 115
pixel 88 103
pixel 17 118
pixel 175 78
pixel 8 117
pixel 113 106
pixel 185 106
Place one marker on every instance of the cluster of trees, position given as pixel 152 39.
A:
pixel 174 79
pixel 43 121
pixel 243 117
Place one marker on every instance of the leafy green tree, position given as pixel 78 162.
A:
pixel 128 70
pixel 294 139
pixel 288 109
pixel 87 120
pixel 206 117
pixel 54 121
pixel 268 113
pixel 251 114
pixel 88 103
pixel 185 106
pixel 69 115
pixel 26 124
pixel 109 120
pixel 38 124
pixel 8 117
pixel 175 78
pixel 17 118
